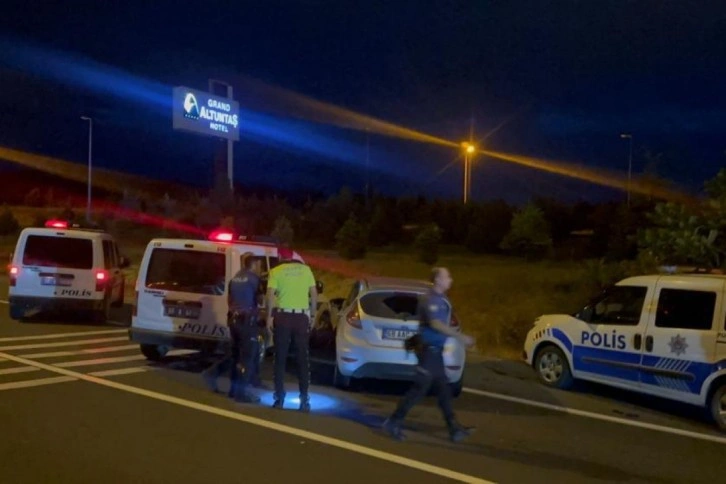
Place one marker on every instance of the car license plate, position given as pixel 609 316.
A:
pixel 397 334
pixel 55 281
pixel 186 312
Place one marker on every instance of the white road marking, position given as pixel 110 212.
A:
pixel 596 416
pixel 36 383
pixel 3 301
pixel 64 343
pixel 99 361
pixel 121 371
pixel 63 335
pixel 19 369
pixel 89 351
pixel 286 429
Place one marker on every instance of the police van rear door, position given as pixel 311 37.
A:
pixel 608 347
pixel 680 342
pixel 185 289
pixel 56 264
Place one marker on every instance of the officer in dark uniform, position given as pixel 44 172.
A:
pixel 242 320
pixel 434 329
pixel 292 300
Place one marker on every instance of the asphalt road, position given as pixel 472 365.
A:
pixel 79 404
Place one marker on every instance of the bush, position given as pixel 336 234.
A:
pixel 352 239
pixel 283 230
pixel 529 235
pixel 427 244
pixel 8 223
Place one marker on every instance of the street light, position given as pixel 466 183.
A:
pixel 90 165
pixel 469 150
pixel 629 136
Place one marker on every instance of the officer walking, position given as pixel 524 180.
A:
pixel 434 329
pixel 292 300
pixel 242 321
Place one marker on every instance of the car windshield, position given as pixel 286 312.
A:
pixel 60 252
pixel 391 305
pixel 187 271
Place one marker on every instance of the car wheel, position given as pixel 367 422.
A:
pixel 457 387
pixel 154 352
pixel 717 405
pixel 552 368
pixel 340 380
pixel 17 313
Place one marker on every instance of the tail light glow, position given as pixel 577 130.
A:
pixel 101 280
pixel 353 317
pixel 13 271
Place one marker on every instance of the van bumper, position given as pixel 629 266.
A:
pixel 29 306
pixel 172 340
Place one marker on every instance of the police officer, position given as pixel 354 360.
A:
pixel 434 329
pixel 292 299
pixel 242 320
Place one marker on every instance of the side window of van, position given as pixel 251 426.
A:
pixel 685 309
pixel 108 254
pixel 619 305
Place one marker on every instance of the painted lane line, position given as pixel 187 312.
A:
pixel 89 351
pixel 64 343
pixel 597 416
pixel 19 369
pixel 122 371
pixel 63 335
pixel 99 361
pixel 36 383
pixel 3 301
pixel 304 434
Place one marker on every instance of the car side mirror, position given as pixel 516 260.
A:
pixel 123 262
pixel 586 314
pixel 319 286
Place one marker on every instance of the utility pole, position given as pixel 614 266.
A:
pixel 90 165
pixel 629 137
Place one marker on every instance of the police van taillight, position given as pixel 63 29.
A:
pixel 13 272
pixel 101 280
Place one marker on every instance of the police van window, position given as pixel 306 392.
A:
pixel 619 305
pixel 60 252
pixel 187 271
pixel 682 309
pixel 401 306
pixel 108 262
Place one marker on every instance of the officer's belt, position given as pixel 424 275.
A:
pixel 292 311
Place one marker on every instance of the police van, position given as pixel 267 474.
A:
pixel 181 291
pixel 663 335
pixel 65 267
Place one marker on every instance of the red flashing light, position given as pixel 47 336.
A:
pixel 353 317
pixel 101 279
pixel 221 236
pixel 56 224
pixel 14 271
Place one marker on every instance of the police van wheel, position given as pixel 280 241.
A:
pixel 553 369
pixel 154 352
pixel 339 380
pixel 718 406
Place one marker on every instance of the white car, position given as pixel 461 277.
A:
pixel 373 322
pixel 662 335
pixel 64 267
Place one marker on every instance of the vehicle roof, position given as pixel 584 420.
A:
pixel 395 283
pixel 52 232
pixel 675 278
pixel 243 246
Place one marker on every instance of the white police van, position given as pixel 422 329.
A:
pixel 65 267
pixel 663 335
pixel 181 291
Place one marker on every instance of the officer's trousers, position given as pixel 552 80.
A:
pixel 429 372
pixel 243 352
pixel 290 327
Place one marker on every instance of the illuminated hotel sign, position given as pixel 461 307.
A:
pixel 202 113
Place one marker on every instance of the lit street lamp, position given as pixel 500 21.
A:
pixel 90 165
pixel 629 136
pixel 469 150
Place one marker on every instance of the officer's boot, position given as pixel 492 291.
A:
pixel 279 402
pixel 392 427
pixel 458 432
pixel 304 404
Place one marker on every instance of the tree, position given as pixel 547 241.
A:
pixel 529 235
pixel 489 225
pixel 33 198
pixel 352 239
pixel 386 224
pixel 8 223
pixel 427 244
pixel 283 230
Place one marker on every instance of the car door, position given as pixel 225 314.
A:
pixel 608 348
pixel 110 264
pixel 680 342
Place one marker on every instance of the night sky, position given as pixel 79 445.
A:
pixel 556 79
